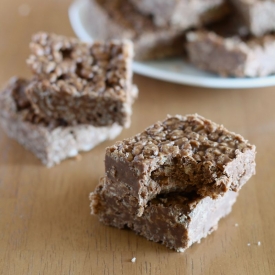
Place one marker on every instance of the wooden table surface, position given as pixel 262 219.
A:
pixel 45 222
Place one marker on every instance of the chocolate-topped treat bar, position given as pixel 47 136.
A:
pixel 180 154
pixel 184 13
pixel 176 220
pixel 81 83
pixel 258 15
pixel 110 19
pixel 50 140
pixel 229 50
pixel 120 19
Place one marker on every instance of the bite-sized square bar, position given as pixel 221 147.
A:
pixel 183 13
pixel 176 220
pixel 81 82
pixel 180 154
pixel 50 140
pixel 119 19
pixel 232 53
pixel 258 15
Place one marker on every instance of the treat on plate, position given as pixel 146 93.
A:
pixel 229 50
pixel 50 140
pixel 81 83
pixel 118 18
pixel 182 13
pixel 122 20
pixel 259 15
pixel 180 154
pixel 177 220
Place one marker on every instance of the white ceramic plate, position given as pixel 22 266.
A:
pixel 173 70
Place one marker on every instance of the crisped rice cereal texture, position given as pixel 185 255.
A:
pixel 180 154
pixel 81 83
pixel 176 220
pixel 50 140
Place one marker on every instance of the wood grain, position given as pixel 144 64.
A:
pixel 45 225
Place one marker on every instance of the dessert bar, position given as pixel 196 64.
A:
pixel 230 50
pixel 180 154
pixel 183 13
pixel 50 140
pixel 119 19
pixel 258 15
pixel 81 83
pixel 176 220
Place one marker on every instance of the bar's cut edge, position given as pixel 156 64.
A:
pixel 52 146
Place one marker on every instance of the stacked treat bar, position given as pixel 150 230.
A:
pixel 80 95
pixel 173 182
pixel 161 28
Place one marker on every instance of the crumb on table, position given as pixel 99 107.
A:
pixel 24 9
pixel 78 157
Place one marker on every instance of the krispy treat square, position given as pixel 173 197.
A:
pixel 180 154
pixel 176 220
pixel 50 140
pixel 108 19
pixel 81 83
pixel 228 49
pixel 183 13
pixel 258 15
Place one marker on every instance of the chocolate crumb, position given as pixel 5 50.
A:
pixel 78 157
pixel 24 10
